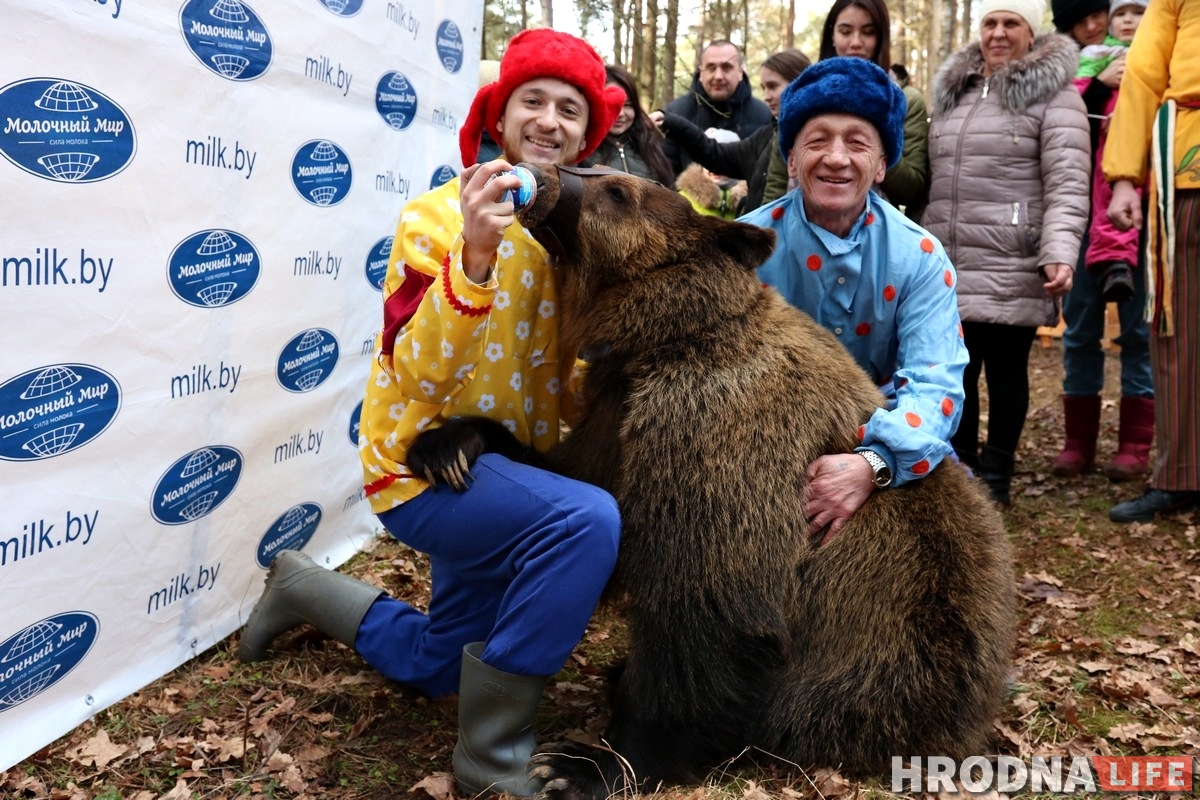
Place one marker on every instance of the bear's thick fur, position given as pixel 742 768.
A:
pixel 708 396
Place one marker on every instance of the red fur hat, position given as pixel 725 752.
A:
pixel 544 53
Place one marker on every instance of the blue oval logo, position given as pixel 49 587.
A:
pixel 307 361
pixel 356 423
pixel 227 37
pixel 441 176
pixel 290 532
pixel 213 268
pixel 56 409
pixel 396 100
pixel 196 484
pixel 343 8
pixel 321 173
pixel 64 131
pixel 36 658
pixel 449 44
pixel 377 262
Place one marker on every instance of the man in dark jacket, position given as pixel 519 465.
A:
pixel 720 97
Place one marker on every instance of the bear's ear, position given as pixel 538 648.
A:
pixel 747 244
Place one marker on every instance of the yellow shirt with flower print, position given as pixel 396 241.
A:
pixel 1163 64
pixel 469 349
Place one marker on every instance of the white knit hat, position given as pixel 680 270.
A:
pixel 1119 4
pixel 1032 11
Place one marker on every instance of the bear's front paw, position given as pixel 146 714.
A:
pixel 445 455
pixel 575 771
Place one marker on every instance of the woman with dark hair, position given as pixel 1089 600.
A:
pixel 859 28
pixel 633 144
pixel 746 159
pixel 862 28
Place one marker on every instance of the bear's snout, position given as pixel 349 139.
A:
pixel 554 213
pixel 545 180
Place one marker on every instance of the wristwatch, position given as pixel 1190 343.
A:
pixel 883 473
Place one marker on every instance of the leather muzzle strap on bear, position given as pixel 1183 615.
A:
pixel 556 231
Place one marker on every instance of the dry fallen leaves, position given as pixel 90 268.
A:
pixel 98 751
pixel 439 786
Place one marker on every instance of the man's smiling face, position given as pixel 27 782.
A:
pixel 836 159
pixel 544 122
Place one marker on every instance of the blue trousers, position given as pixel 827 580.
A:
pixel 518 561
pixel 1083 360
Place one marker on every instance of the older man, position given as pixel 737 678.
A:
pixel 880 283
pixel 720 97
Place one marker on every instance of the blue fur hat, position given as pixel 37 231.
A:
pixel 844 85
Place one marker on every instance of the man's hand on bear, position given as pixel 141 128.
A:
pixel 838 485
pixel 445 455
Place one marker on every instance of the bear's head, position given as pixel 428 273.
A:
pixel 638 265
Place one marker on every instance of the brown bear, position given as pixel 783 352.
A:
pixel 707 396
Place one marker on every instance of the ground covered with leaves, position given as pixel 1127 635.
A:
pixel 1107 663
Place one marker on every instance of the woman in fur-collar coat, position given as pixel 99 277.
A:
pixel 1009 156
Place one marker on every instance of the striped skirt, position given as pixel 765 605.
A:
pixel 1176 359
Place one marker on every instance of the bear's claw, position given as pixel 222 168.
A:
pixel 574 771
pixel 445 455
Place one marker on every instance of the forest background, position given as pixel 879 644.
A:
pixel 659 40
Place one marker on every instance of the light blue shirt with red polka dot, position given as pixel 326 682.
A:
pixel 886 291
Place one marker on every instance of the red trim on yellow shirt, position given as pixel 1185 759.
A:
pixel 401 305
pixel 374 487
pixel 459 306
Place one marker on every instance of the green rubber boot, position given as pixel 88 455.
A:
pixel 299 591
pixel 495 728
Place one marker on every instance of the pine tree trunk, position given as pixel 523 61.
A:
pixel 649 74
pixel 670 55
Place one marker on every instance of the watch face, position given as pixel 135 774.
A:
pixel 879 468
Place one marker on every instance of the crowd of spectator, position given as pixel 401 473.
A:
pixel 1003 162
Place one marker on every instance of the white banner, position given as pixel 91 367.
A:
pixel 197 207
